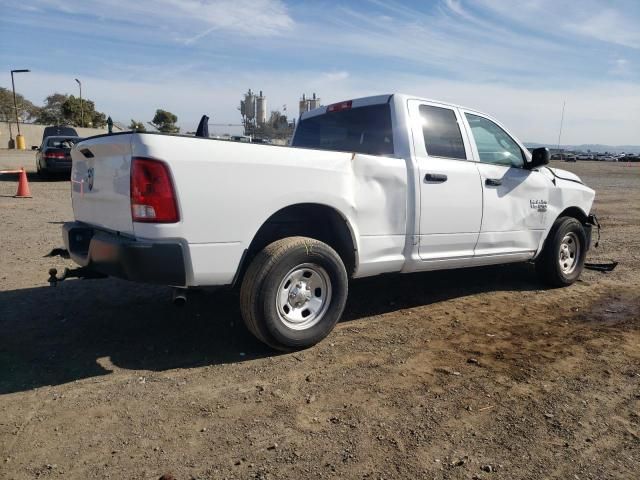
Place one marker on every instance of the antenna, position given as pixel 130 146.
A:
pixel 561 122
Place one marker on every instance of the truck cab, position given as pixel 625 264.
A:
pixel 478 195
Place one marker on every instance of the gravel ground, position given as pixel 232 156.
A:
pixel 469 374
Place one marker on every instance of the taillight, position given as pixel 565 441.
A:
pixel 54 155
pixel 338 107
pixel 153 198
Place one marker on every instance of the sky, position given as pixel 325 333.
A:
pixel 515 60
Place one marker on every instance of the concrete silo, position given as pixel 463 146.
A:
pixel 261 109
pixel 250 105
pixel 304 106
pixel 314 102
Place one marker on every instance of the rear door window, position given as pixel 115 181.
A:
pixel 361 130
pixel 442 136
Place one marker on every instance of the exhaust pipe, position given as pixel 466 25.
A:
pixel 179 297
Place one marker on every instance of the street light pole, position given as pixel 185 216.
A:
pixel 81 105
pixel 15 102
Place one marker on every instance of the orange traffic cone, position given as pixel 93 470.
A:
pixel 23 185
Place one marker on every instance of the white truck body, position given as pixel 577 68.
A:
pixel 405 210
pixel 398 221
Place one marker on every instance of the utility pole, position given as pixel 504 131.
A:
pixel 561 122
pixel 19 139
pixel 81 105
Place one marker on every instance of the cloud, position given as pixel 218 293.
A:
pixel 613 21
pixel 335 76
pixel 444 41
pixel 253 18
pixel 198 56
pixel 456 7
pixel 609 26
pixel 599 113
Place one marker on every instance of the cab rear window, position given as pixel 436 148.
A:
pixel 361 130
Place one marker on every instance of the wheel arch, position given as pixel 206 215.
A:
pixel 573 212
pixel 315 220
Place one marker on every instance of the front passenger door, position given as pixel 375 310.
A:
pixel 514 198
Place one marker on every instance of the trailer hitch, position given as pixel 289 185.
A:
pixel 81 272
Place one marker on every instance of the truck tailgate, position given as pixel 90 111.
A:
pixel 100 182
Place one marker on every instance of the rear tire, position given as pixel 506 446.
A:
pixel 42 173
pixel 562 258
pixel 293 293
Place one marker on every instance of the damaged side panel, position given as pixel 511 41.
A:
pixel 564 194
pixel 379 199
pixel 516 211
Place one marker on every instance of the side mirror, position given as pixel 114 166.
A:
pixel 35 147
pixel 539 157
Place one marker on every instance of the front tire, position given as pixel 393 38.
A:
pixel 293 293
pixel 562 259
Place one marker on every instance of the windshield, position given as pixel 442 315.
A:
pixel 62 142
pixel 361 130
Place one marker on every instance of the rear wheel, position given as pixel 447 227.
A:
pixel 562 259
pixel 294 293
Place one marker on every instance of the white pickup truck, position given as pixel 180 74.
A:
pixel 390 183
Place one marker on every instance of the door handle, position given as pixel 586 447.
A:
pixel 493 182
pixel 435 178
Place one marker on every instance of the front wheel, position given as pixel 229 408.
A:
pixel 562 259
pixel 293 293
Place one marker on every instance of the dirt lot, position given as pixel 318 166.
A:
pixel 474 374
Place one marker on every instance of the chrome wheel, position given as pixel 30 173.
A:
pixel 569 253
pixel 303 296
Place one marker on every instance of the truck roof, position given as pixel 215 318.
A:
pixel 378 99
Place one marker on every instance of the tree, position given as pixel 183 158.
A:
pixel 26 109
pixel 165 121
pixel 137 126
pixel 68 109
pixel 51 112
pixel 82 113
pixel 277 126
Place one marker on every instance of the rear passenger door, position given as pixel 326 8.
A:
pixel 449 184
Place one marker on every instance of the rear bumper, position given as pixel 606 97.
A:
pixel 126 258
pixel 61 166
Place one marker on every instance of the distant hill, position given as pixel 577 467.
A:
pixel 593 147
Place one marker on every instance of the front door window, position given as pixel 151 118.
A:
pixel 494 144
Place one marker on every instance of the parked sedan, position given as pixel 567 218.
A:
pixel 54 155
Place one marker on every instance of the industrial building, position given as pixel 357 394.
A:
pixel 253 108
pixel 307 104
pixel 259 123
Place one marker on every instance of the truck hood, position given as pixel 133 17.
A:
pixel 565 174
